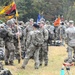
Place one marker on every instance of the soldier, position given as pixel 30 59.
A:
pixel 22 26
pixel 18 31
pixel 50 29
pixel 44 48
pixel 9 46
pixel 32 46
pixel 70 40
pixel 29 27
pixel 62 28
pixel 1 39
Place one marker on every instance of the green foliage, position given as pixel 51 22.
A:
pixel 31 8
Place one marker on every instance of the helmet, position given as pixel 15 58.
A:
pixel 10 22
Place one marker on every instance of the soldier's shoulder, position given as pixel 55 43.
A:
pixel 37 31
pixel 31 32
pixel 45 30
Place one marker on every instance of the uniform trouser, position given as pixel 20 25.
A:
pixel 43 54
pixel 74 52
pixel 9 56
pixel 17 49
pixel 9 51
pixel 69 50
pixel 30 53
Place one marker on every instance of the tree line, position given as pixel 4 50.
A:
pixel 50 9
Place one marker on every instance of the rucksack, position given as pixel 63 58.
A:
pixel 39 39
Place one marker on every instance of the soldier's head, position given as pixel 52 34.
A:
pixel 1 26
pixel 35 26
pixel 31 21
pixel 10 23
pixel 42 19
pixel 38 23
pixel 62 23
pixel 21 23
pixel 47 23
pixel 42 23
pixel 71 23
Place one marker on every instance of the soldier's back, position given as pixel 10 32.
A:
pixel 71 36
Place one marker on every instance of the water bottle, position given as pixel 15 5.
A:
pixel 62 71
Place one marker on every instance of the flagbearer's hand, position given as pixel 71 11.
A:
pixel 18 33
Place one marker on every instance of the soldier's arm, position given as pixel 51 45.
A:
pixel 10 33
pixel 24 33
pixel 28 40
pixel 66 36
pixel 46 35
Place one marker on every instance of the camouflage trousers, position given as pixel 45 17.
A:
pixel 43 56
pixel 71 57
pixel 9 52
pixel 32 50
pixel 71 50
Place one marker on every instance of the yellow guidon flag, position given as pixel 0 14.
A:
pixel 9 17
pixel 17 15
pixel 6 8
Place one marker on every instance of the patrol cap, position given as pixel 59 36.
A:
pixel 71 21
pixel 47 22
pixel 42 22
pixel 42 19
pixel 31 19
pixel 35 25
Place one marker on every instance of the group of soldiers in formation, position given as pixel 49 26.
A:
pixel 34 38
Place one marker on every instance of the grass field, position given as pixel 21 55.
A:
pixel 56 58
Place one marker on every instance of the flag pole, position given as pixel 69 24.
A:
pixel 19 43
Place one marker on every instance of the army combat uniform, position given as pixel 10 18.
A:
pixel 70 40
pixel 44 48
pixel 32 48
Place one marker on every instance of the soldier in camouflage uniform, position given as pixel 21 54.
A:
pixel 44 48
pixel 22 39
pixel 50 29
pixel 9 46
pixel 18 31
pixel 32 47
pixel 29 27
pixel 70 40
pixel 1 39
pixel 62 28
pixel 1 42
